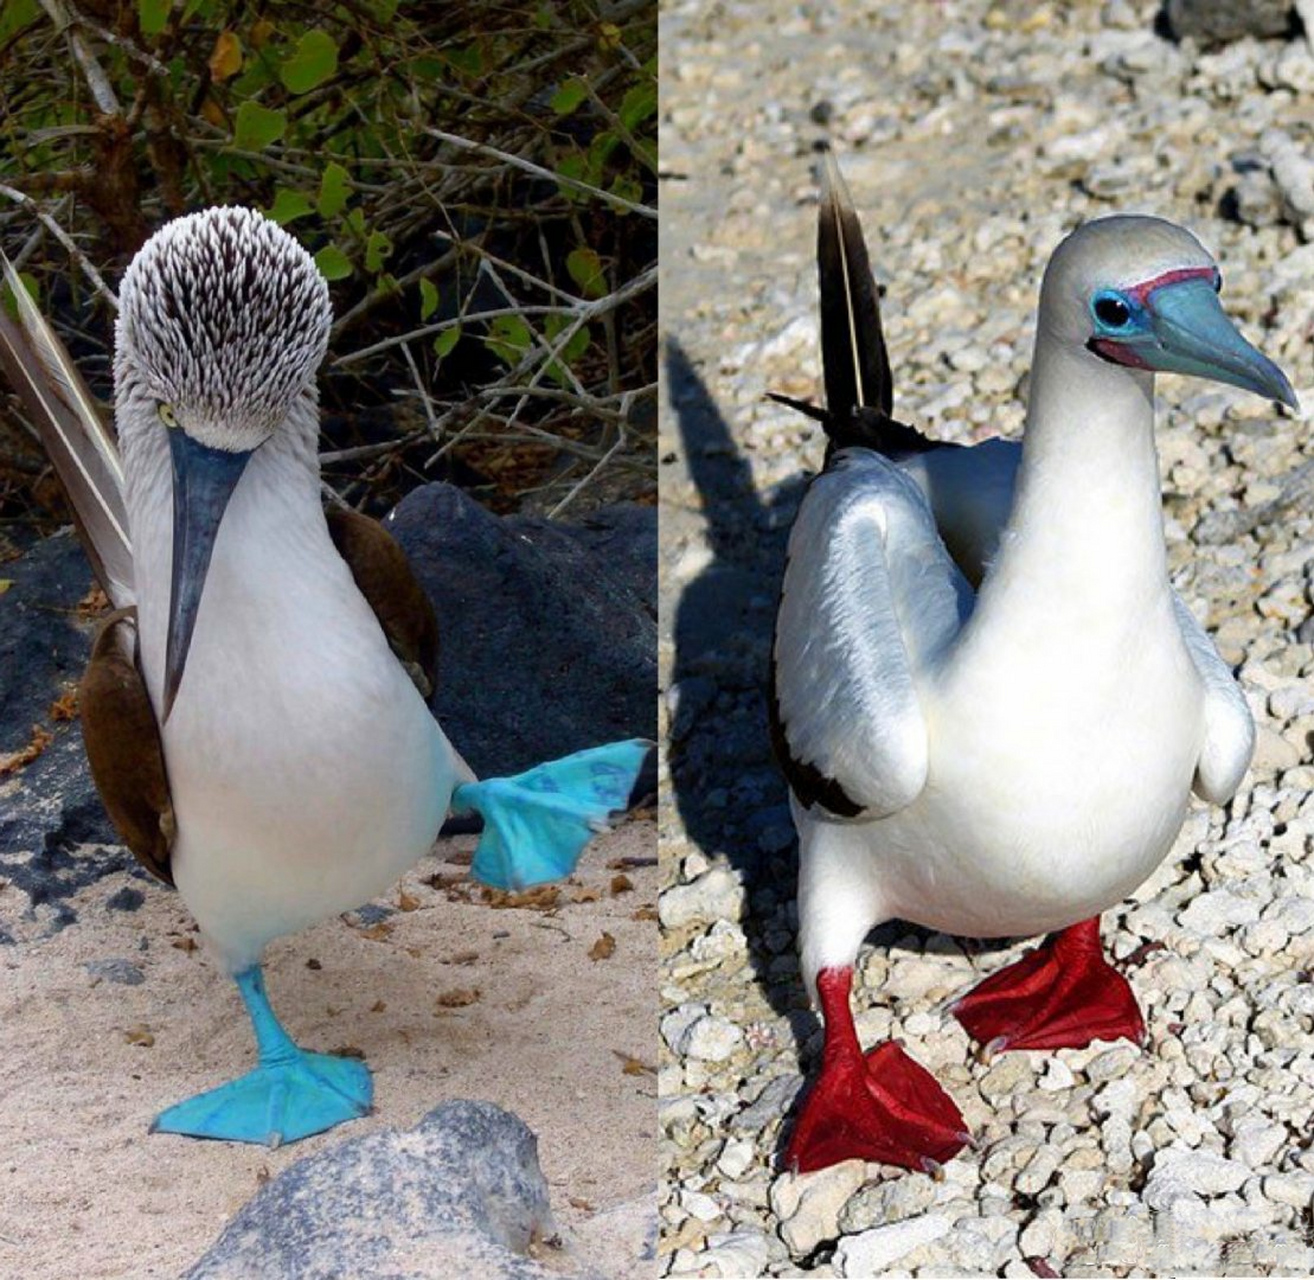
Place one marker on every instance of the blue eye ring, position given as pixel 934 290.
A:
pixel 1112 311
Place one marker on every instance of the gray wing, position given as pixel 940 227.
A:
pixel 869 596
pixel 1229 737
pixel 970 490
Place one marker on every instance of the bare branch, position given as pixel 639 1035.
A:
pixel 519 162
pixel 65 239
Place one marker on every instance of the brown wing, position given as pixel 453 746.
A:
pixel 123 748
pixel 387 582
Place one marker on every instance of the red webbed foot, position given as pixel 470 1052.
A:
pixel 881 1106
pixel 1062 995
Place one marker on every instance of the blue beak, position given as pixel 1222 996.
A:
pixel 203 481
pixel 1189 333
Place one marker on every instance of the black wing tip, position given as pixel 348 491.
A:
pixel 806 781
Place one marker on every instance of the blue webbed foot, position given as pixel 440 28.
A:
pixel 291 1094
pixel 537 824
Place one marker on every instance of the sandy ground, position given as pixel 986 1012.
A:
pixel 446 998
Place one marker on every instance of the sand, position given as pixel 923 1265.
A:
pixel 448 997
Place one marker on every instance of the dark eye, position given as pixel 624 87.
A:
pixel 1112 311
pixel 1218 282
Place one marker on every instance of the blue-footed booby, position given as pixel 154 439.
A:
pixel 990 705
pixel 249 710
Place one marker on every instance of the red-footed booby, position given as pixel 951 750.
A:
pixel 265 745
pixel 989 703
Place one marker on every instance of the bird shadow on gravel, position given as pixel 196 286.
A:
pixel 732 798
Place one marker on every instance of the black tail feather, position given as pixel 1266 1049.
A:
pixel 855 364
pixel 853 356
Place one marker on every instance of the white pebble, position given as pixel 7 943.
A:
pixel 871 1252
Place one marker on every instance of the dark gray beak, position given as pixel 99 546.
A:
pixel 203 482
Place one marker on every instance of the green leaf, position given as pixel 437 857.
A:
pixel 314 61
pixel 628 188
pixel 578 343
pixel 509 338
pixel 17 14
pixel 637 105
pixel 446 340
pixel 33 289
pixel 469 61
pixel 383 10
pixel 356 221
pixel 569 96
pixel 377 249
pixel 428 301
pixel 575 347
pixel 600 150
pixel 257 127
pixel 333 264
pixel 572 166
pixel 585 268
pixel 289 205
pixel 333 190
pixel 153 16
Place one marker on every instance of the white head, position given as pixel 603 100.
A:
pixel 1142 293
pixel 223 320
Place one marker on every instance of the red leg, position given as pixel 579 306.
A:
pixel 1062 995
pixel 882 1107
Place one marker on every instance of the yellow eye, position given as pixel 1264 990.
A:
pixel 167 415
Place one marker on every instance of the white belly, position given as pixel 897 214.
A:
pixel 306 771
pixel 1051 795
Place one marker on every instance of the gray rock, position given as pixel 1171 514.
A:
pixel 769 1105
pixel 124 972
pixel 548 630
pixel 1220 21
pixel 51 812
pixel 459 1195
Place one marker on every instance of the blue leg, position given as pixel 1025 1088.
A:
pixel 537 824
pixel 291 1093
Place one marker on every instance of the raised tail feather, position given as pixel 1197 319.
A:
pixel 84 453
pixel 855 365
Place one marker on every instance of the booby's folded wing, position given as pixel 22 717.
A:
pixel 970 491
pixel 79 444
pixel 870 595
pixel 122 738
pixel 1229 728
pixel 385 578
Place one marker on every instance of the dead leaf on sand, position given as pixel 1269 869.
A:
pixel 457 998
pixel 632 1066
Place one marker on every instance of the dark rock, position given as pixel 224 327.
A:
pixel 459 1195
pixel 49 806
pixel 1220 21
pixel 548 630
pixel 123 972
